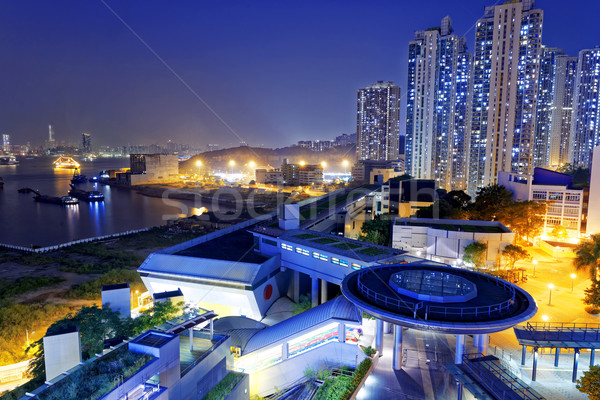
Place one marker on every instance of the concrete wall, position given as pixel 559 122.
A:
pixel 282 374
pixel 593 217
pixel 118 300
pixel 198 381
pixel 241 390
pixel 160 168
pixel 61 353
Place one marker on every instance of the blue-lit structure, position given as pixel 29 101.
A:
pixel 437 298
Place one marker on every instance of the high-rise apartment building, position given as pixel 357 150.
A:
pixel 86 142
pixel 586 104
pixel 505 85
pixel 555 107
pixel 378 122
pixel 5 143
pixel 437 106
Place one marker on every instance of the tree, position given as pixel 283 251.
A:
pixel 490 203
pixel 525 218
pixel 514 253
pixel 376 231
pixel 589 383
pixel 449 205
pixel 559 232
pixel 475 253
pixel 587 256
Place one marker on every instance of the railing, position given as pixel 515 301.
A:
pixel 68 244
pixel 561 331
pixel 497 379
pixel 406 306
pixel 205 353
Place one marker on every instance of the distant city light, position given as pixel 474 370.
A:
pixel 252 164
pixel 323 164
pixel 231 163
pixel 302 163
pixel 198 163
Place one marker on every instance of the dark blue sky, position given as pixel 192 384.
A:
pixel 275 71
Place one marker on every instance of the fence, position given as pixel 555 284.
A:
pixel 68 244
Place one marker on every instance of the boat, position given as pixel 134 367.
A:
pixel 63 201
pixel 64 162
pixel 93 179
pixel 85 195
pixel 28 190
pixel 78 178
pixel 8 160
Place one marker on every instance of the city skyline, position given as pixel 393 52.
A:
pixel 84 71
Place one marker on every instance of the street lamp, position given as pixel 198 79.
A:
pixel 545 318
pixel 231 164
pixel 573 276
pixel 27 334
pixel 345 164
pixel 302 163
pixel 534 264
pixel 550 286
pixel 252 164
pixel 323 164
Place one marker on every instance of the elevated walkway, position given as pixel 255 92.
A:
pixel 496 379
pixel 557 336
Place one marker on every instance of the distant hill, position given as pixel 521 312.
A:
pixel 270 158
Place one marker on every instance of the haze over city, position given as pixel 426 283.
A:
pixel 275 72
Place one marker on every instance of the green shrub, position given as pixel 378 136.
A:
pixel 92 290
pixel 9 288
pixel 223 388
pixel 369 351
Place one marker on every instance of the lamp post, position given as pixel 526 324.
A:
pixel 573 276
pixel 27 334
pixel 345 164
pixel 231 164
pixel 199 165
pixel 534 264
pixel 550 286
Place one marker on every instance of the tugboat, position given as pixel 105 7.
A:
pixel 85 195
pixel 78 178
pixel 63 201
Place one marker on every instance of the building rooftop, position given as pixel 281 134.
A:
pixel 455 225
pixel 340 245
pixel 338 308
pixel 115 286
pixel 166 295
pixel 236 246
pixel 153 339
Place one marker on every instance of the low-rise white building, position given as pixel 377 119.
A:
pixel 565 202
pixel 444 240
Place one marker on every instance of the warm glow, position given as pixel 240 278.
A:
pixel 198 163
pixel 550 286
pixel 544 318
pixel 231 163
pixel 573 276
pixel 323 164
pixel 535 262
pixel 252 164
pixel 345 163
pixel 302 163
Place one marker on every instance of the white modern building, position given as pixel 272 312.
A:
pixel 593 217
pixel 565 202
pixel 444 240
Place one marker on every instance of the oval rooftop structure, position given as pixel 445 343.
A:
pixel 439 298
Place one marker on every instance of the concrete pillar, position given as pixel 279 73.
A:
pixel 212 331
pixel 460 349
pixel 323 291
pixel 482 343
pixel 556 356
pixel 476 341
pixel 191 331
pixel 296 288
pixel 575 364
pixel 342 332
pixel 314 291
pixel 523 354
pixel 535 360
pixel 397 356
pixel 379 336
pixel 387 327
pixel 592 357
pixel 285 351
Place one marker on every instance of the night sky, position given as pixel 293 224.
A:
pixel 275 71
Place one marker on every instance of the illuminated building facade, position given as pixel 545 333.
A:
pixel 505 85
pixel 586 118
pixel 378 122
pixel 555 108
pixel 437 106
pixel 6 143
pixel 86 142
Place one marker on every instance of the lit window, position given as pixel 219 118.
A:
pixel 356 266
